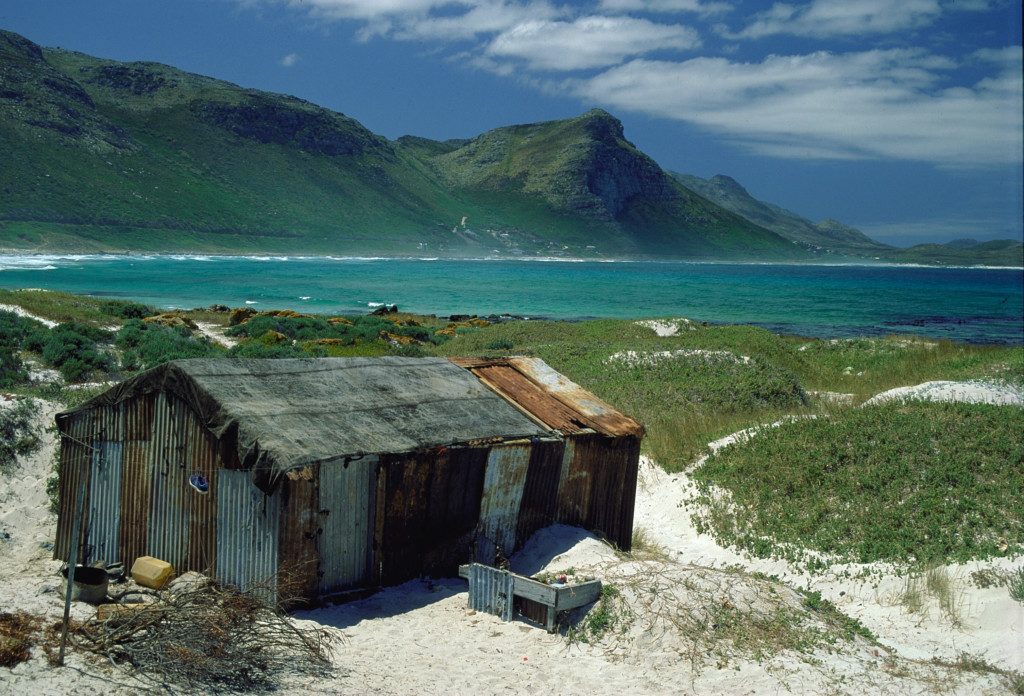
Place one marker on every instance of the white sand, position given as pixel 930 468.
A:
pixel 968 392
pixel 421 638
pixel 22 313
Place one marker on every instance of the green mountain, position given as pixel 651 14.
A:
pixel 107 156
pixel 102 155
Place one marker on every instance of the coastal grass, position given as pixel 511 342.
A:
pixel 867 366
pixel 64 307
pixel 910 483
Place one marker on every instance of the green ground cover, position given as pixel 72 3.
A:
pixel 914 484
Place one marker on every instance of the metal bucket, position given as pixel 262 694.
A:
pixel 90 584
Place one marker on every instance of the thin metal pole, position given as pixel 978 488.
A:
pixel 72 562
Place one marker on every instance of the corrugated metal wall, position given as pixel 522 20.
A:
pixel 574 484
pixel 201 457
pixel 104 514
pixel 540 491
pixel 247 532
pixel 507 467
pixel 169 471
pixel 597 490
pixel 297 555
pixel 427 509
pixel 491 590
pixel 334 527
pixel 78 446
pixel 142 505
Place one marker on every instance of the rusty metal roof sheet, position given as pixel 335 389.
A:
pixel 549 396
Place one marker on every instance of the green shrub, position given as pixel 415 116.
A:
pixel 283 350
pixel 72 349
pixel 295 328
pixel 12 370
pixel 1016 585
pixel 144 346
pixel 127 310
pixel 130 335
pixel 14 329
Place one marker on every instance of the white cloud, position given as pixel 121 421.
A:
pixel 587 42
pixel 822 18
pixel 665 6
pixel 1009 56
pixel 290 60
pixel 874 104
pixel 488 17
pixel 445 20
pixel 372 9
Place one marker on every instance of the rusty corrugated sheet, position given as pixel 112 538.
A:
pixel 201 449
pixel 507 467
pixel 247 532
pixel 136 488
pixel 104 516
pixel 138 418
pixel 75 462
pixel 598 491
pixel 427 509
pixel 78 443
pixel 550 397
pixel 540 492
pixel 573 487
pixel 347 494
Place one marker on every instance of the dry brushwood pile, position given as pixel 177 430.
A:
pixel 206 635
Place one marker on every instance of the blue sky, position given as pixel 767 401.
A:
pixel 902 118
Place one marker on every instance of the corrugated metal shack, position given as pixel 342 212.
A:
pixel 339 473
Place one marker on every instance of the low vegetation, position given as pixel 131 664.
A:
pixel 905 482
pixel 915 483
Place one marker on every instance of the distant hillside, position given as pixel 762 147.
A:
pixel 834 239
pixel 827 235
pixel 102 155
pixel 1000 252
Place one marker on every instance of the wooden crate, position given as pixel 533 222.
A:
pixel 541 602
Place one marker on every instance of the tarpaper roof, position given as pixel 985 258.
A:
pixel 295 412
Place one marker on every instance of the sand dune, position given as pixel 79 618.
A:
pixel 689 617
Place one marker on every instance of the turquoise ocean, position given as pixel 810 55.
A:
pixel 977 305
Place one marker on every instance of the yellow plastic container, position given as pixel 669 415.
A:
pixel 151 572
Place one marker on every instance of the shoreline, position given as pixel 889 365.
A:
pixel 277 256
